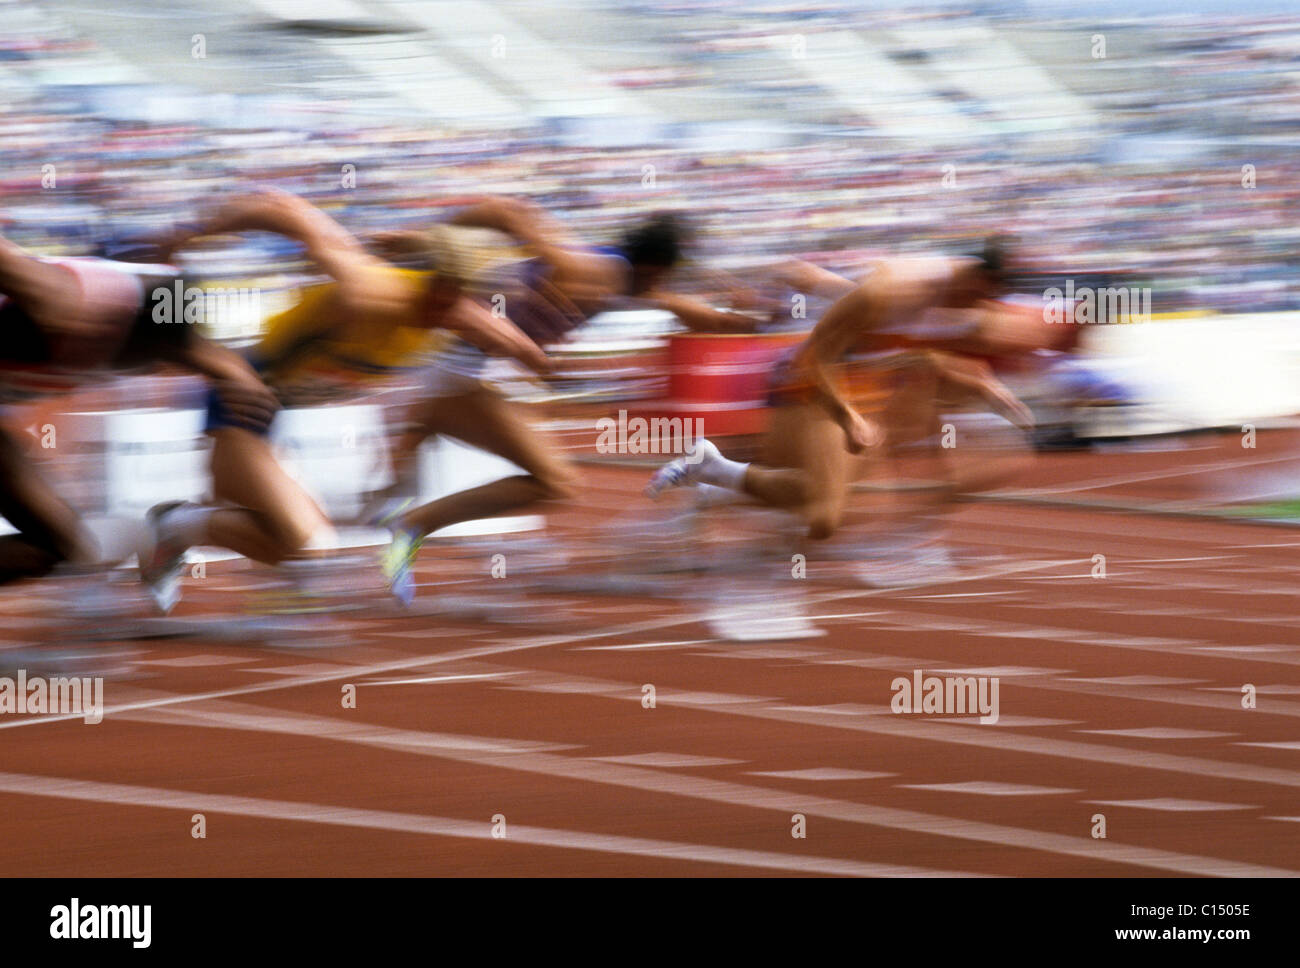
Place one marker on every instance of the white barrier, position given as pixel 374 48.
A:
pixel 144 457
pixel 447 466
pixel 1211 371
pixel 338 454
pixel 130 460
pixel 133 459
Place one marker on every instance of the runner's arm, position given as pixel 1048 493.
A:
pixel 843 326
pixel 494 334
pixel 579 274
pixel 327 243
pixel 828 343
pixel 699 316
pixel 241 390
pixel 977 377
pixel 813 280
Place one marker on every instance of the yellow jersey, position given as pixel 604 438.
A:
pixel 308 357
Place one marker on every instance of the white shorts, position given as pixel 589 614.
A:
pixel 457 369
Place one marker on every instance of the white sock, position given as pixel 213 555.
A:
pixel 186 525
pixel 721 472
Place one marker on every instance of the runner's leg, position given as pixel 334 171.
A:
pixel 482 418
pixel 275 517
pixel 49 530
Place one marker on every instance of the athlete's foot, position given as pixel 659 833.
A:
pixel 398 559
pixel 162 559
pixel 684 471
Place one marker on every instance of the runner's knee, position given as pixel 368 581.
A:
pixel 289 535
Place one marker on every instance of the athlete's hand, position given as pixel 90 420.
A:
pixel 495 334
pixel 249 401
pixel 742 298
pixel 861 434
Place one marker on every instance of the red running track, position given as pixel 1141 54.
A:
pixel 525 746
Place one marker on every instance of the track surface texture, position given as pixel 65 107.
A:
pixel 578 715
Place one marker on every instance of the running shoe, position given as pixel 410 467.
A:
pixel 162 560
pixel 398 559
pixel 682 472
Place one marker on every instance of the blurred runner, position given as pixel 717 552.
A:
pixel 69 322
pixel 557 285
pixel 923 316
pixel 372 322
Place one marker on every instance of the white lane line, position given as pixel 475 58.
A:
pixel 1025 679
pixel 1284 621
pixel 1160 561
pixel 1138 477
pixel 1119 542
pixel 197 661
pixel 1000 672
pixel 1142 583
pixel 924 729
pixel 1133 680
pixel 830 709
pixel 1012 722
pixel 228 715
pixel 989 788
pixel 1248 648
pixel 424 680
pixel 498 647
pixel 907 621
pixel 666 760
pixel 822 773
pixel 1173 805
pixel 1287 745
pixel 639 646
pixel 37 606
pixel 414 823
pixel 999 594
pixel 1158 732
pixel 1164 610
